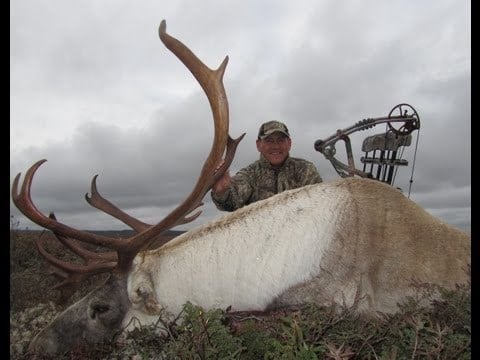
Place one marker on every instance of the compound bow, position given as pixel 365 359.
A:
pixel 386 143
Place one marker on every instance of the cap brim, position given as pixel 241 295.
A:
pixel 274 131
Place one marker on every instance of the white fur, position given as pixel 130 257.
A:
pixel 333 240
pixel 245 259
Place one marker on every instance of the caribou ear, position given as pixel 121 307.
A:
pixel 142 295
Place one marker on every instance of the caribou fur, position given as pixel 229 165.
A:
pixel 350 241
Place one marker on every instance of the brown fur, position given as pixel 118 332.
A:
pixel 404 246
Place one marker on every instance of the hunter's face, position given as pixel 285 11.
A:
pixel 275 148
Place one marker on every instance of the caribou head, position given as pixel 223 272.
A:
pixel 349 242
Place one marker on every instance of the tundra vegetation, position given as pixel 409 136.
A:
pixel 442 331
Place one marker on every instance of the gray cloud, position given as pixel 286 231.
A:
pixel 95 92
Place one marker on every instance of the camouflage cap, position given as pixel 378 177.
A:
pixel 270 127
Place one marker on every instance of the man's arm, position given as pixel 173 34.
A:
pixel 232 193
pixel 311 175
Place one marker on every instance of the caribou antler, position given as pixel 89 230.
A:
pixel 211 82
pixel 99 202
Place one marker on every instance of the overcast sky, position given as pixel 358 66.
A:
pixel 94 91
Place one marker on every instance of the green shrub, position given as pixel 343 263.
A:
pixel 203 335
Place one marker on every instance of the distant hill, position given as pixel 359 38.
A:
pixel 116 233
pixel 126 233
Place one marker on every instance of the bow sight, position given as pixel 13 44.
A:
pixel 382 165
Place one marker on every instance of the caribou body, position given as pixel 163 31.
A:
pixel 342 242
pixel 337 242
pixel 349 242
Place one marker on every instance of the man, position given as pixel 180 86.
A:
pixel 273 173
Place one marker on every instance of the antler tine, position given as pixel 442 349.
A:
pixel 190 218
pixel 72 275
pixel 94 265
pixel 24 203
pixel 87 255
pixel 99 202
pixel 230 154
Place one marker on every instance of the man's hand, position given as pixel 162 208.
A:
pixel 223 183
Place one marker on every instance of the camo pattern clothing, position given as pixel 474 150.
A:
pixel 261 180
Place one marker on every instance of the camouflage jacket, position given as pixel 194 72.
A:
pixel 260 180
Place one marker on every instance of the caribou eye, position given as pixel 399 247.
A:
pixel 97 309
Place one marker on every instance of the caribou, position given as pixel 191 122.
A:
pixel 352 242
